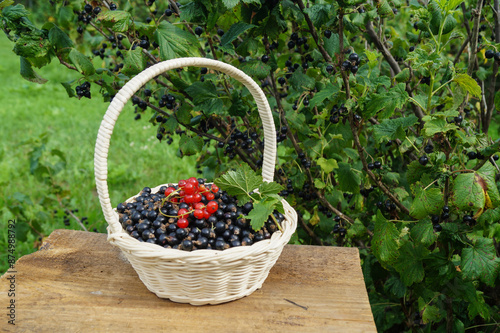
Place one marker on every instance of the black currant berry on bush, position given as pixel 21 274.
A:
pixel 438 227
pixel 429 148
pixel 97 10
pixel 329 68
pixel 497 56
pixel 371 166
pixel 281 80
pixel 489 54
pixel 168 12
pixel 411 49
pixel 265 58
pixel 328 33
pixel 346 65
pixel 220 32
pixel 423 160
pixel 113 6
pixel 458 119
pixel 377 164
pixel 495 157
pixel 80 30
pixel 198 30
pixel 203 70
pixel 472 155
pixel 435 219
pixel 88 8
pixel 354 69
pixel 353 57
pixel 291 44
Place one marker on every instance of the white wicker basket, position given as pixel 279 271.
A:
pixel 202 276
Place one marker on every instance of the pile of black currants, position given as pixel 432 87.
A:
pixel 191 216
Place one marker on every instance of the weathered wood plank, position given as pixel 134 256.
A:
pixel 77 282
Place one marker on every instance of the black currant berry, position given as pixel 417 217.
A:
pixel 328 33
pixel 472 155
pixel 281 80
pixel 329 68
pixel 88 8
pixel 198 30
pixel 371 166
pixel 265 58
pixel 80 30
pixel 423 160
pixel 203 71
pixel 489 54
pixel 354 69
pixel 113 6
pixel 411 49
pixel 438 227
pixel 291 44
pixel 435 219
pixel 97 10
pixel 353 57
pixel 429 148
pixel 377 164
pixel 220 32
pixel 168 12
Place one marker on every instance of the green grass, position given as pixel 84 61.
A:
pixel 136 158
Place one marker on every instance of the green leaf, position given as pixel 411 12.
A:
pixel 467 83
pixel 384 9
pixel 392 129
pixel 22 230
pixel 202 91
pixel 256 69
pixel 487 173
pixel 467 192
pixel 426 202
pixel 261 211
pixel 409 264
pixel 349 180
pixel 437 125
pixel 403 76
pixel 267 188
pixel 6 3
pixel 28 73
pixel 190 145
pixel 81 62
pixel 319 14
pixel 323 94
pixel 327 165
pixel 319 184
pixel 332 44
pixel 32 46
pixel 13 13
pixel 239 182
pixel 117 20
pixel 300 81
pixel 430 313
pixel 384 243
pixel 492 149
pixel 134 62
pixel 234 31
pixel 69 89
pixel 393 99
pixel 174 42
pixel 415 172
pixel 479 262
pixel 230 4
pixel 423 232
pixel 395 286
pixel 60 40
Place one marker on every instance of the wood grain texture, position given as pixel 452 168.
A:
pixel 77 282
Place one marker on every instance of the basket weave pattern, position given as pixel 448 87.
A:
pixel 202 276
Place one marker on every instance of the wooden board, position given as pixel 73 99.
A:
pixel 77 282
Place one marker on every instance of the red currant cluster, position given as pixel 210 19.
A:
pixel 194 194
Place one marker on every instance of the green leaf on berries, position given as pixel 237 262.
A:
pixel 234 31
pixel 261 211
pixel 479 262
pixel 239 182
pixel 467 83
pixel 385 244
pixel 348 179
pixel 190 145
pixel 426 202
pixel 467 192
pixel 392 129
pixel 117 20
pixel 256 69
pixel 81 62
pixel 174 42
pixel 423 232
pixel 409 264
pixel 134 62
pixel 28 73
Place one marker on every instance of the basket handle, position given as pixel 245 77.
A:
pixel 132 86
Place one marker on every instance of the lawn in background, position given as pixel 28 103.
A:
pixel 30 111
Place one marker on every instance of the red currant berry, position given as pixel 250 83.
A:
pixel 198 213
pixel 182 183
pixel 193 181
pixel 215 188
pixel 197 197
pixel 189 188
pixel 206 214
pixel 209 196
pixel 202 188
pixel 169 190
pixel 183 212
pixel 212 207
pixel 188 198
pixel 199 205
pixel 182 193
pixel 182 223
